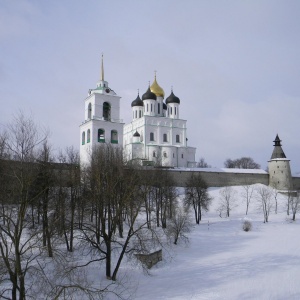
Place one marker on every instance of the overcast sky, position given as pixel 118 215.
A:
pixel 235 65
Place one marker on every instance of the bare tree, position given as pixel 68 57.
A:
pixel 179 226
pixel 19 242
pixel 202 163
pixel 196 195
pixel 241 163
pixel 227 200
pixel 295 204
pixel 264 197
pixel 247 194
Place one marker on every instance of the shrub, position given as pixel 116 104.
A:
pixel 247 225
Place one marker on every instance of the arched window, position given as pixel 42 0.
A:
pixel 175 111
pixel 165 137
pixel 114 137
pixel 106 111
pixel 177 138
pixel 147 107
pixel 89 111
pixel 182 155
pixel 101 135
pixel 136 114
pixel 171 111
pixel 158 108
pixel 165 154
pixel 154 154
pixel 88 138
pixel 151 137
pixel 83 138
pixel 140 113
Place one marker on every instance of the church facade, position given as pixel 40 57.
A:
pixel 155 136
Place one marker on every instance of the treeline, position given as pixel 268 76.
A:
pixel 51 231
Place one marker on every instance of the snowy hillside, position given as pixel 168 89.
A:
pixel 222 261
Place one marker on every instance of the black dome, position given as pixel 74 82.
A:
pixel 136 134
pixel 165 107
pixel 137 102
pixel 149 95
pixel 172 99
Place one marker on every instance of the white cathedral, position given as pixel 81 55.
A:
pixel 155 136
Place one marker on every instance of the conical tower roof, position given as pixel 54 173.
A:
pixel 277 152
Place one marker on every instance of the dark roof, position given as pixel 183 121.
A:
pixel 149 95
pixel 277 152
pixel 137 102
pixel 172 99
pixel 136 134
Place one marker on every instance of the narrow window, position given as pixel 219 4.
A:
pixel 158 108
pixel 173 155
pixel 165 154
pixel 175 111
pixel 83 138
pixel 88 139
pixel 147 107
pixel 140 113
pixel 151 107
pixel 89 111
pixel 177 138
pixel 165 137
pixel 101 136
pixel 151 136
pixel 171 111
pixel 136 114
pixel 114 137
pixel 182 155
pixel 154 154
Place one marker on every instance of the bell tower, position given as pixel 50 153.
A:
pixel 102 123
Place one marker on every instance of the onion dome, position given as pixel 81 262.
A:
pixel 136 134
pixel 149 95
pixel 172 99
pixel 165 107
pixel 156 89
pixel 137 102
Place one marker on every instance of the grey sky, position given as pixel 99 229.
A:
pixel 234 64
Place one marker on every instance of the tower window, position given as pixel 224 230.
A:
pixel 171 111
pixel 175 111
pixel 165 154
pixel 101 135
pixel 106 111
pixel 151 136
pixel 177 138
pixel 136 114
pixel 154 154
pixel 158 108
pixel 140 113
pixel 165 137
pixel 89 111
pixel 182 155
pixel 151 107
pixel 114 137
pixel 147 107
pixel 83 138
pixel 173 155
pixel 88 138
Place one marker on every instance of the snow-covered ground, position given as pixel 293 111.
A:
pixel 222 261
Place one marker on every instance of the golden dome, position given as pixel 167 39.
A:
pixel 156 89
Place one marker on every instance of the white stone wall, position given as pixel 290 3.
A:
pixel 280 174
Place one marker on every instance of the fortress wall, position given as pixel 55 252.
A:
pixel 220 179
pixel 296 183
